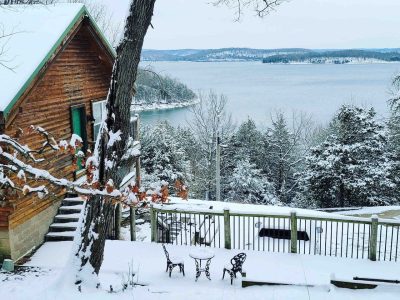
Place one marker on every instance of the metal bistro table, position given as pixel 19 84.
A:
pixel 200 255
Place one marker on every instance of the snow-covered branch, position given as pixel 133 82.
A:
pixel 18 173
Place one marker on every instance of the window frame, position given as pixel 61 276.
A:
pixel 95 123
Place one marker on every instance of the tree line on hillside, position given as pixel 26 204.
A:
pixel 354 161
pixel 338 56
pixel 155 88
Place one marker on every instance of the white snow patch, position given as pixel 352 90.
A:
pixel 113 137
pixel 148 262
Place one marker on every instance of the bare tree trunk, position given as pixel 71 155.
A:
pixel 98 210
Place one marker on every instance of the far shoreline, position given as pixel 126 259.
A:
pixel 135 108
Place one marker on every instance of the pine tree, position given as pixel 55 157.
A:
pixel 281 158
pixel 351 167
pixel 248 186
pixel 248 141
pixel 393 125
pixel 163 158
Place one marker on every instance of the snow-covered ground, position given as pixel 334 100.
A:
pixel 149 263
pixel 41 280
pixel 388 212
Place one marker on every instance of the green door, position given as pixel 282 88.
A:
pixel 78 117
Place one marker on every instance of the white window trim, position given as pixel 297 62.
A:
pixel 102 111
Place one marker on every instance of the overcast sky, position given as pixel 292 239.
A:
pixel 298 23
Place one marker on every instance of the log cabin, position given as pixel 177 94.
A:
pixel 55 73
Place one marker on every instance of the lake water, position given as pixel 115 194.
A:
pixel 256 90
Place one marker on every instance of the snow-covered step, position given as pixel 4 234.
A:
pixel 68 233
pixel 70 225
pixel 60 227
pixel 66 221
pixel 80 207
pixel 174 228
pixel 60 236
pixel 72 201
pixel 67 218
pixel 71 209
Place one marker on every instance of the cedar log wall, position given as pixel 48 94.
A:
pixel 79 74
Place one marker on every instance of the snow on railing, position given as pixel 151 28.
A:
pixel 280 230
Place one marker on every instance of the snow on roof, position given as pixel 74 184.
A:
pixel 35 31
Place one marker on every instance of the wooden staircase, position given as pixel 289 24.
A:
pixel 168 229
pixel 66 221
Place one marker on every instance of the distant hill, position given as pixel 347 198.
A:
pixel 224 54
pixel 284 55
pixel 335 57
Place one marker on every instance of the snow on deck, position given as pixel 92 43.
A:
pixel 149 263
pixel 392 212
pixel 34 30
pixel 328 234
pixel 239 208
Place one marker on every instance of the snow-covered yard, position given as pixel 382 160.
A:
pixel 387 212
pixel 149 263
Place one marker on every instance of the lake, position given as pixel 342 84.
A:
pixel 257 90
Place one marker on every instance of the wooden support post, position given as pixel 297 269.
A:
pixel 153 219
pixel 227 229
pixel 293 232
pixel 132 212
pixel 373 240
pixel 117 221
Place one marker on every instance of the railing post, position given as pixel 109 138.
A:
pixel 373 240
pixel 117 220
pixel 293 232
pixel 132 212
pixel 153 219
pixel 227 229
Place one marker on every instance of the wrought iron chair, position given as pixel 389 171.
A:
pixel 172 262
pixel 237 263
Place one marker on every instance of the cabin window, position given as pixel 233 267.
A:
pixel 99 109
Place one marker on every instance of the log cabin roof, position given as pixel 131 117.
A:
pixel 36 34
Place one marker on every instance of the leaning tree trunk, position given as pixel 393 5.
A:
pixel 98 211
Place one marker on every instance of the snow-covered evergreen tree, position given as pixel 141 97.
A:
pixel 280 152
pixel 163 158
pixel 351 167
pixel 393 125
pixel 248 186
pixel 248 141
pixel 282 156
